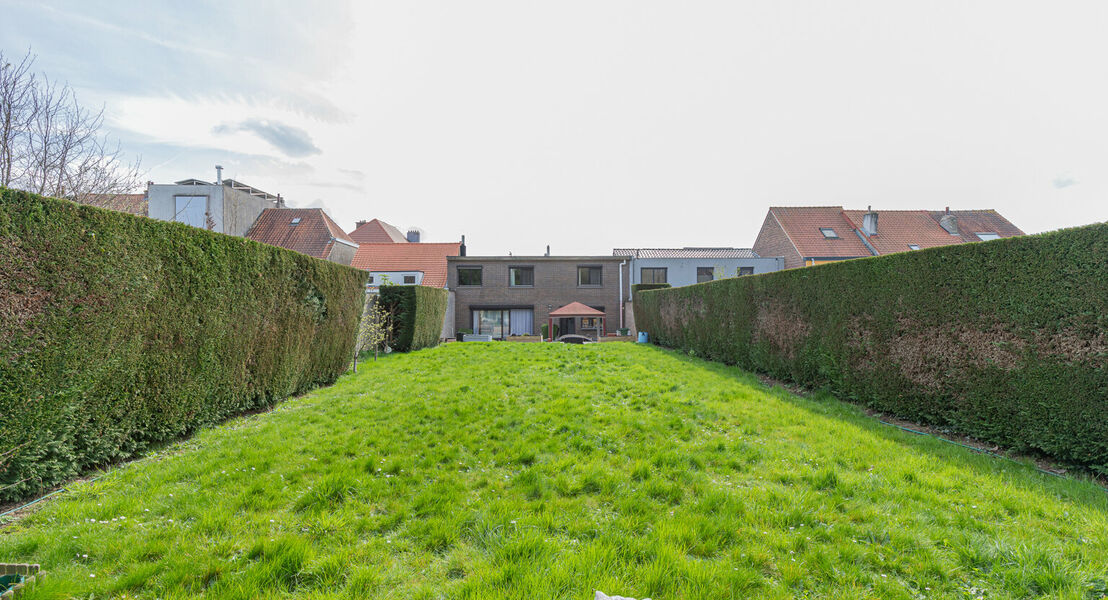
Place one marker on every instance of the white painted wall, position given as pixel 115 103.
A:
pixel 682 271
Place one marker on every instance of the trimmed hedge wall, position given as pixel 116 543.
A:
pixel 642 287
pixel 418 313
pixel 119 331
pixel 1005 340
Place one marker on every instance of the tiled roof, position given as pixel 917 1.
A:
pixel 428 258
pixel 377 232
pixel 970 222
pixel 314 234
pixel 802 225
pixel 136 204
pixel 896 229
pixel 576 309
pixel 685 252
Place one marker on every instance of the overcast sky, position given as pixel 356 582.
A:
pixel 595 124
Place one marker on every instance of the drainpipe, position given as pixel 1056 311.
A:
pixel 622 304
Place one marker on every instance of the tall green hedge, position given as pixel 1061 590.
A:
pixel 418 313
pixel 119 331
pixel 1005 340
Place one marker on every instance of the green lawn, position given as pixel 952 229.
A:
pixel 547 471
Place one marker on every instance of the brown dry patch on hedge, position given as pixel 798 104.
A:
pixel 781 326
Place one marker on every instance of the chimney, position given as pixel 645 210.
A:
pixel 949 222
pixel 548 250
pixel 219 174
pixel 869 221
pixel 462 248
pixel 413 235
pixel 360 223
pixel 280 201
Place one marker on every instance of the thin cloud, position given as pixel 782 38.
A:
pixel 1064 182
pixel 292 141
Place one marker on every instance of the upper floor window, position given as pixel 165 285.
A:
pixel 705 274
pixel 469 275
pixel 652 275
pixel 521 276
pixel 986 236
pixel 588 275
pixel 828 233
pixel 746 271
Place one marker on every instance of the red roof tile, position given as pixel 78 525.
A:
pixel 377 232
pixel 428 258
pixel 802 224
pixel 971 222
pixel 135 204
pixel 896 229
pixel 314 234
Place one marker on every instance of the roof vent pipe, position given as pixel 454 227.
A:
pixel 462 247
pixel 548 250
pixel 219 175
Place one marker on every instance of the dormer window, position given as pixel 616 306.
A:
pixel 828 233
pixel 913 246
pixel 295 221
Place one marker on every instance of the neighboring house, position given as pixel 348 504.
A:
pixel 406 264
pixel 514 295
pixel 377 232
pixel 134 204
pixel 812 235
pixel 307 231
pixel 227 206
pixel 686 266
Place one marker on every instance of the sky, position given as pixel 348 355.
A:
pixel 600 124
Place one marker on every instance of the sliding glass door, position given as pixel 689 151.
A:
pixel 500 323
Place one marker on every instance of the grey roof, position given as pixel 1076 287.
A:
pixel 685 252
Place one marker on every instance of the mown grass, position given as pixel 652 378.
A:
pixel 549 471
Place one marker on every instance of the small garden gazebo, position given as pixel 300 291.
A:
pixel 576 309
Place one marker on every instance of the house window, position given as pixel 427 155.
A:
pixel 521 276
pixel 469 276
pixel 371 280
pixel 588 322
pixel 588 275
pixel 409 279
pixel 913 246
pixel 828 233
pixel 652 275
pixel 985 236
pixel 746 271
pixel 705 274
pixel 191 210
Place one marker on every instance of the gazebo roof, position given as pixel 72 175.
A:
pixel 576 309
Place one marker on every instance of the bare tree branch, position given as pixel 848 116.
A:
pixel 51 145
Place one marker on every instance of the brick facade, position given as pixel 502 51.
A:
pixel 555 285
pixel 772 241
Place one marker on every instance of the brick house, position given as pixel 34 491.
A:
pixel 812 235
pixel 307 231
pixel 513 295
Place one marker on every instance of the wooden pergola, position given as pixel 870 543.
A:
pixel 575 309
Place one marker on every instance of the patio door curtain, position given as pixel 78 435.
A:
pixel 522 321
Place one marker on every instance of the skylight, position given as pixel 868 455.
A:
pixel 985 236
pixel 828 233
pixel 295 221
pixel 913 246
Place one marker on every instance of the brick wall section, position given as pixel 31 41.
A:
pixel 555 286
pixel 772 241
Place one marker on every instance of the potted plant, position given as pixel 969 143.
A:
pixel 461 333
